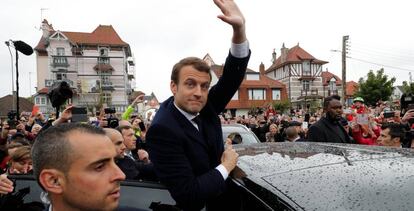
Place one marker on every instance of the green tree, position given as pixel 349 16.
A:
pixel 281 106
pixel 314 105
pixel 30 99
pixel 407 88
pixel 375 87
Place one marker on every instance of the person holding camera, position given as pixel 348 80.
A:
pixel 17 161
pixel 273 134
pixel 358 105
pixel 365 135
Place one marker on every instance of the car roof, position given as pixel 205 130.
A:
pixel 234 128
pixel 323 176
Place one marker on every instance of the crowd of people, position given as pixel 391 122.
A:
pixel 19 137
pixel 381 124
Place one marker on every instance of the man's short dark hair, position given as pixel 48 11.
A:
pixel 396 130
pixel 291 132
pixel 327 100
pixel 195 62
pixel 53 150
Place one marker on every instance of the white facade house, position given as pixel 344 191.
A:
pixel 98 66
pixel 397 92
pixel 300 72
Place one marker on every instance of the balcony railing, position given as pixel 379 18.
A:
pixel 103 60
pixel 60 61
pixel 307 92
pixel 306 76
pixel 107 86
pixel 50 82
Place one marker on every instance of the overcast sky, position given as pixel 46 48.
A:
pixel 162 32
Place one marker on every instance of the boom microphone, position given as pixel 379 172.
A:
pixel 23 47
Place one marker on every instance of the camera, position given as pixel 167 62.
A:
pixel 110 110
pixel 142 126
pixel 113 122
pixel 12 119
pixel 407 103
pixel 79 114
pixel 389 114
pixel 408 139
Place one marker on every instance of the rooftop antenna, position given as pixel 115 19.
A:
pixel 41 18
pixel 41 13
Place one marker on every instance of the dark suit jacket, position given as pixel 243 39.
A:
pixel 185 159
pixel 136 170
pixel 325 131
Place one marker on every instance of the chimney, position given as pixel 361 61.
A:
pixel 46 28
pixel 284 52
pixel 273 56
pixel 262 69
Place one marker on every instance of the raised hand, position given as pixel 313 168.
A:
pixel 138 99
pixel 233 16
pixel 231 13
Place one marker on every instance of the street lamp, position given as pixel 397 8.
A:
pixel 26 50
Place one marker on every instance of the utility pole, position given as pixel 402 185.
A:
pixel 344 45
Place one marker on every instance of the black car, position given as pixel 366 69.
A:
pixel 297 176
pixel 322 176
pixel 145 195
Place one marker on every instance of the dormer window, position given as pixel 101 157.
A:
pixel 252 77
pixel 103 51
pixel 306 68
pixel 103 55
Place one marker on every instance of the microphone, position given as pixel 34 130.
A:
pixel 23 47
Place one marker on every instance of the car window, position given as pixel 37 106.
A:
pixel 26 193
pixel 254 197
pixel 248 137
pixel 142 194
pixel 136 194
